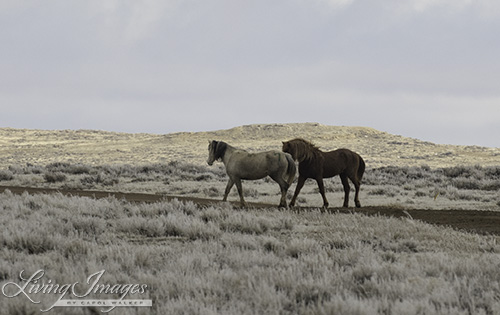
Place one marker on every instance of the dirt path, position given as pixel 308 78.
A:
pixel 482 222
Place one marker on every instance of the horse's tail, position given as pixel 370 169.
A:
pixel 361 168
pixel 291 169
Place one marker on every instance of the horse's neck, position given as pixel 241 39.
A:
pixel 311 156
pixel 227 155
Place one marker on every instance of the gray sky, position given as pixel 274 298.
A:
pixel 428 69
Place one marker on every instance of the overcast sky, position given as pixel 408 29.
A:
pixel 428 69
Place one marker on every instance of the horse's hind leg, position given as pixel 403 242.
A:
pixel 240 192
pixel 347 188
pixel 229 185
pixel 357 185
pixel 283 188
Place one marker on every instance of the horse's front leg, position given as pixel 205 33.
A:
pixel 237 181
pixel 300 184
pixel 229 185
pixel 321 187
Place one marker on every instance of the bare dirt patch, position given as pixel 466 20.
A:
pixel 476 221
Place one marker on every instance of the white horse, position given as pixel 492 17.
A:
pixel 243 165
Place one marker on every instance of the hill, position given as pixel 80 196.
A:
pixel 40 147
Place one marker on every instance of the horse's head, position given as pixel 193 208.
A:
pixel 300 149
pixel 216 150
pixel 211 152
pixel 289 148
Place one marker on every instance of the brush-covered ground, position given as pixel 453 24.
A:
pixel 93 147
pixel 221 260
pixel 459 187
pixel 218 259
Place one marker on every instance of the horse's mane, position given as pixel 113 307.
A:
pixel 304 150
pixel 219 148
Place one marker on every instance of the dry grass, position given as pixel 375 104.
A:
pixel 41 147
pixel 219 260
pixel 458 187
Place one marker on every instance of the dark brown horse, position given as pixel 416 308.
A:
pixel 316 164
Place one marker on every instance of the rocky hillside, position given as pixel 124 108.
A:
pixel 21 146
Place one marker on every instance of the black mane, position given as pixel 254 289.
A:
pixel 219 148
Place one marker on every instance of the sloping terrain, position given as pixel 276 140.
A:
pixel 40 147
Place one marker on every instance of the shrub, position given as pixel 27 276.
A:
pixel 78 169
pixel 492 171
pixel 101 178
pixel 491 185
pixel 15 169
pixel 211 192
pixel 54 177
pixel 476 172
pixel 465 183
pixel 245 223
pixel 58 166
pixel 250 192
pixel 34 242
pixel 74 248
pixel 271 244
pixel 389 191
pixel 204 177
pixel 420 193
pixel 455 194
pixel 6 175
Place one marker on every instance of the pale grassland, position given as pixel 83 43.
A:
pixel 220 260
pixel 105 159
pixel 41 147
pixel 459 187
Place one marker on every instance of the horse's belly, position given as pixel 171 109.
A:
pixel 253 174
pixel 328 174
pixel 249 171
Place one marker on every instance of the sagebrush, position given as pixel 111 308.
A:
pixel 460 187
pixel 220 260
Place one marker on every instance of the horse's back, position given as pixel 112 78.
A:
pixel 257 158
pixel 255 165
pixel 345 154
pixel 341 161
